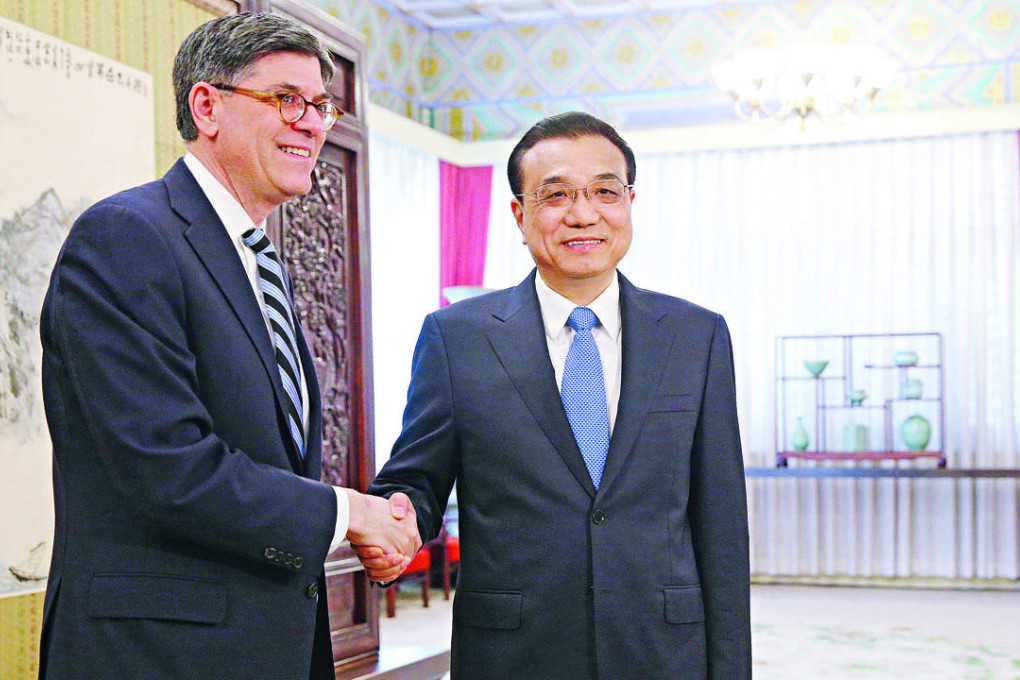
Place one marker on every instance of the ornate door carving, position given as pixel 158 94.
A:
pixel 323 238
pixel 316 245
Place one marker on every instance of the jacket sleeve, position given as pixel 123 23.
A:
pixel 425 460
pixel 718 518
pixel 121 361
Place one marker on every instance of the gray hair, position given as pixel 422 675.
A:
pixel 223 51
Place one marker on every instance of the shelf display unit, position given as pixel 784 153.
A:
pixel 860 397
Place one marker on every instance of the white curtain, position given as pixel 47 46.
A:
pixel 404 246
pixel 507 259
pixel 890 236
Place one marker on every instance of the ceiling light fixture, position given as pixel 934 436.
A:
pixel 836 83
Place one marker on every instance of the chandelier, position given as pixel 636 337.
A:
pixel 835 83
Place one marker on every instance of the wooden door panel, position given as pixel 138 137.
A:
pixel 323 239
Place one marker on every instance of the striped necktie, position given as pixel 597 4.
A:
pixel 583 390
pixel 281 318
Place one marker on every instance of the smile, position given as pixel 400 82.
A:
pixel 584 243
pixel 295 151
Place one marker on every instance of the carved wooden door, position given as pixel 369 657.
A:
pixel 323 237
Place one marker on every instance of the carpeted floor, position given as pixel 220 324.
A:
pixel 789 652
pixel 827 633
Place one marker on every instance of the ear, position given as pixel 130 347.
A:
pixel 203 101
pixel 518 210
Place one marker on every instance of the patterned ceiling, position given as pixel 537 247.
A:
pixel 488 69
pixel 446 14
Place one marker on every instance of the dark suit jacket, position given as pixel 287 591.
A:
pixel 646 578
pixel 190 536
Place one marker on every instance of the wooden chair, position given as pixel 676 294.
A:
pixel 445 551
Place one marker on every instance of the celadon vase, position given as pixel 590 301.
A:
pixel 905 358
pixel 916 431
pixel 913 388
pixel 855 438
pixel 800 438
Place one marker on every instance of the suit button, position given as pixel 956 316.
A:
pixel 289 559
pixel 270 553
pixel 591 593
pixel 298 561
pixel 598 517
pixel 313 590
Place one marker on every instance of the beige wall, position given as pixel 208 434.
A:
pixel 144 35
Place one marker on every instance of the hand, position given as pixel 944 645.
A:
pixel 384 534
pixel 379 566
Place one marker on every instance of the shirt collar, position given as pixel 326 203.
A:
pixel 228 209
pixel 556 309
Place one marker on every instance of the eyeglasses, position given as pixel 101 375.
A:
pixel 559 195
pixel 292 105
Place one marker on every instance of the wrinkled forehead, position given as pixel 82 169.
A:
pixel 575 160
pixel 288 71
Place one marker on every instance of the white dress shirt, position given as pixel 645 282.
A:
pixel 237 221
pixel 608 335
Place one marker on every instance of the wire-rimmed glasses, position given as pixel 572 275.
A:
pixel 559 195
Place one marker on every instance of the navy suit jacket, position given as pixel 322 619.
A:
pixel 190 534
pixel 647 577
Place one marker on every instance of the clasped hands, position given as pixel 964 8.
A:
pixel 383 533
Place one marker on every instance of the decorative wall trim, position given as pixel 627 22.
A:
pixel 738 135
pixel 21 617
pixel 220 7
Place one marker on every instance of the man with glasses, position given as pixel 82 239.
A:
pixel 191 525
pixel 591 429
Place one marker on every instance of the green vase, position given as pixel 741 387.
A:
pixel 916 431
pixel 800 439
pixel 913 388
pixel 905 358
pixel 855 438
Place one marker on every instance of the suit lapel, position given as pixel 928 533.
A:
pixel 212 245
pixel 521 347
pixel 646 344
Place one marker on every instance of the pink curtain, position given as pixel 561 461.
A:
pixel 463 224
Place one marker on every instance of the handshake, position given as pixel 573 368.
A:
pixel 383 533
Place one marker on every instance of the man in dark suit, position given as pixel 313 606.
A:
pixel 591 429
pixel 191 525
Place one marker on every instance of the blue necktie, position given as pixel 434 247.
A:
pixel 281 318
pixel 583 391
